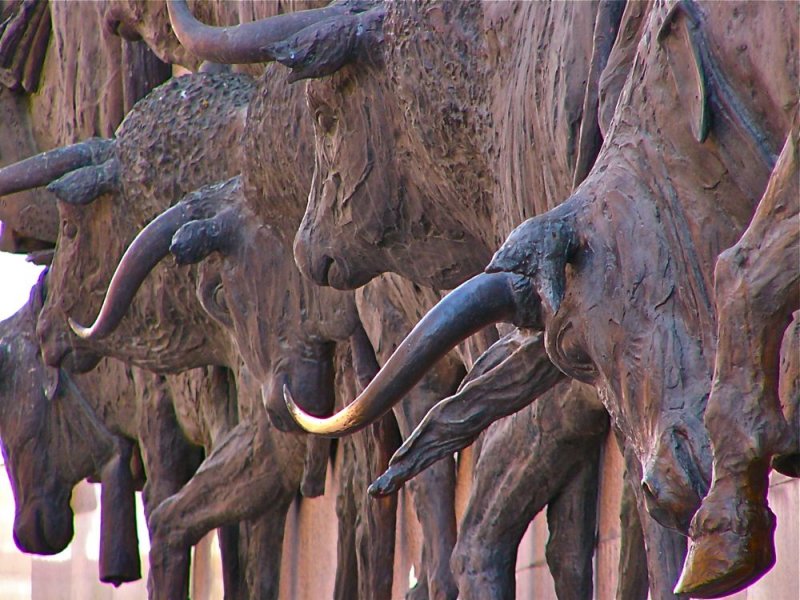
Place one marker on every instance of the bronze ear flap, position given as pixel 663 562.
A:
pixel 195 240
pixel 678 36
pixel 590 138
pixel 215 226
pixel 325 47
pixel 83 186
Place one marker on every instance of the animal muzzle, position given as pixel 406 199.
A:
pixel 59 351
pixel 43 526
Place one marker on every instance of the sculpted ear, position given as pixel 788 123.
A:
pixel 325 47
pixel 194 241
pixel 679 36
pixel 216 225
pixel 211 293
pixel 83 186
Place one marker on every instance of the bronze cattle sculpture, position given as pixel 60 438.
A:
pixel 274 188
pixel 652 280
pixel 158 341
pixel 58 429
pixel 757 288
pixel 357 30
pixel 50 56
pixel 436 223
pixel 175 344
pixel 619 276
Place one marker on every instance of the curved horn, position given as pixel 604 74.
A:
pixel 43 168
pixel 483 300
pixel 511 374
pixel 146 251
pixel 247 42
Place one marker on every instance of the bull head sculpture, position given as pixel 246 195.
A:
pixel 619 275
pixel 51 440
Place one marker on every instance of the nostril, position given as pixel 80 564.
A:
pixel 650 493
pixel 324 270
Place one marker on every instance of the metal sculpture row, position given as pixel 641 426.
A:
pixel 650 153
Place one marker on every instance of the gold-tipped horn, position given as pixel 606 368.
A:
pixel 481 301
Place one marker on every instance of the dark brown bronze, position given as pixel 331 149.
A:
pixel 173 528
pixel 757 288
pixel 645 341
pixel 629 154
pixel 58 429
pixel 261 337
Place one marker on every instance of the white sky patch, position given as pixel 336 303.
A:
pixel 17 276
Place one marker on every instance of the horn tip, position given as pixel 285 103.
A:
pixel 79 330
pixel 294 411
pixel 305 421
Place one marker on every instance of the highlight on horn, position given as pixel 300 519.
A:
pixel 483 300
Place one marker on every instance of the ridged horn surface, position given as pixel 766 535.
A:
pixel 247 42
pixel 144 253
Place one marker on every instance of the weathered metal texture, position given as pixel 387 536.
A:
pixel 195 109
pixel 115 192
pixel 64 287
pixel 179 334
pixel 277 141
pixel 68 101
pixel 24 34
pixel 58 429
pixel 624 280
pixel 702 200
pixel 757 288
pixel 417 133
pixel 445 108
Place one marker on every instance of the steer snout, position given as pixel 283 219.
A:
pixel 675 480
pixel 58 348
pixel 53 341
pixel 325 267
pixel 43 526
pixel 314 266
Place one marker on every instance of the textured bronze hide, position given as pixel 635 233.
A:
pixel 621 272
pixel 649 151
pixel 58 429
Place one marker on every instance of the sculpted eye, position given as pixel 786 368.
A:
pixel 213 298
pixel 219 298
pixel 69 229
pixel 326 121
pixel 571 354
